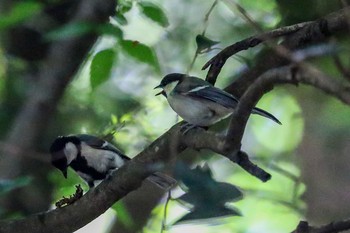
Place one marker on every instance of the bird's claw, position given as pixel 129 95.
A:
pixel 187 127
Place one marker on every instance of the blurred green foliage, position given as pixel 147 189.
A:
pixel 20 12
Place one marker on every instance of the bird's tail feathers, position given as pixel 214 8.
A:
pixel 161 180
pixel 263 113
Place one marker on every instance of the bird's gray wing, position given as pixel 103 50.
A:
pixel 214 94
pixel 99 143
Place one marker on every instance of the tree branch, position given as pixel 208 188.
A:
pixel 293 74
pixel 307 32
pixel 123 181
pixel 90 206
pixel 218 61
pixel 304 227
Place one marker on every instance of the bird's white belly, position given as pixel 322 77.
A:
pixel 201 113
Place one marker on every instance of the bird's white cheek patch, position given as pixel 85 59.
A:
pixel 71 152
pixel 170 87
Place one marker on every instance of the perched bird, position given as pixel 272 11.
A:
pixel 198 102
pixel 93 159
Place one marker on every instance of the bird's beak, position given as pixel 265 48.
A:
pixel 159 86
pixel 64 172
pixel 160 93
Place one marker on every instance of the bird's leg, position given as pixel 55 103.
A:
pixel 187 127
pixel 110 173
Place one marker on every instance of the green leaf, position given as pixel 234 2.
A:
pixel 109 29
pixel 19 13
pixel 155 13
pixel 140 52
pixel 120 19
pixel 204 44
pixel 122 8
pixel 70 30
pixel 101 67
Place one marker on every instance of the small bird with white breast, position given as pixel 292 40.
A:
pixel 198 102
pixel 93 159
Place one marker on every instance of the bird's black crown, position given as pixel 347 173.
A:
pixel 171 78
pixel 58 158
pixel 61 141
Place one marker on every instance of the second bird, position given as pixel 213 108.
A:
pixel 198 102
pixel 94 159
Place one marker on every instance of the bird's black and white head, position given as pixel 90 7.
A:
pixel 63 151
pixel 169 82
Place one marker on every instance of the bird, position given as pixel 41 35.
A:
pixel 198 102
pixel 93 159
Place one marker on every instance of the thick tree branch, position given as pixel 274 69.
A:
pixel 90 206
pixel 293 74
pixel 340 226
pixel 123 181
pixel 298 35
pixel 218 61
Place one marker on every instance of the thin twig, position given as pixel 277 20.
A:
pixel 193 61
pixel 218 61
pixel 165 212
pixel 344 71
pixel 283 172
pixel 206 20
pixel 245 15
